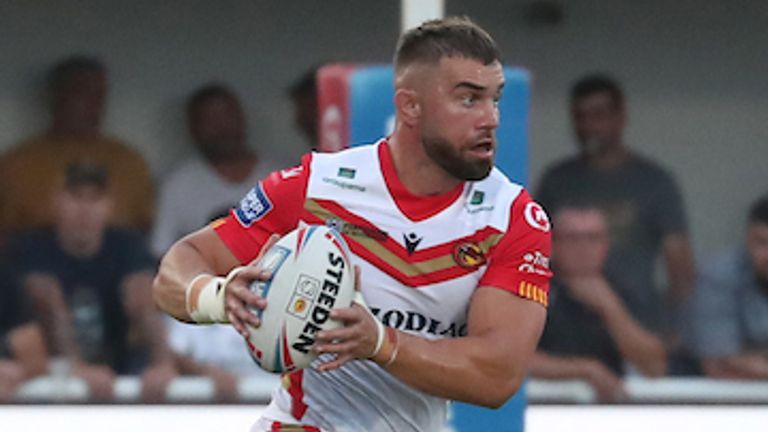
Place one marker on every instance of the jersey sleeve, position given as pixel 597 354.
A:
pixel 520 262
pixel 273 206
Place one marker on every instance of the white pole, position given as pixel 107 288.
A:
pixel 414 12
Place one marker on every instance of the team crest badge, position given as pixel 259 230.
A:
pixel 469 255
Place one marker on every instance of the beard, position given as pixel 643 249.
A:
pixel 450 159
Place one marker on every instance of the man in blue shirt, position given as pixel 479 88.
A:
pixel 728 325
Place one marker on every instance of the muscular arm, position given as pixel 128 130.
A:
pixel 485 368
pixel 200 252
pixel 680 266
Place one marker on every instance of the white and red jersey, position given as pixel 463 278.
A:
pixel 421 259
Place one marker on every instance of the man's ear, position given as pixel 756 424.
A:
pixel 407 105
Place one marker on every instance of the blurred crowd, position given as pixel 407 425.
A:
pixel 83 224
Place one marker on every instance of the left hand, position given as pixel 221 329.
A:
pixel 355 340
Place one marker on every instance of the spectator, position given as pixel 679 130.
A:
pixel 217 352
pixel 22 350
pixel 641 201
pixel 590 334
pixel 303 93
pixel 204 187
pixel 90 284
pixel 728 319
pixel 77 88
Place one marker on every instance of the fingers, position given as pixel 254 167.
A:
pixel 267 245
pixel 335 363
pixel 240 300
pixel 356 339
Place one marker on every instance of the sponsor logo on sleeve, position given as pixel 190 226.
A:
pixel 535 262
pixel 536 216
pixel 254 206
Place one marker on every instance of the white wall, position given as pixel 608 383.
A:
pixel 694 71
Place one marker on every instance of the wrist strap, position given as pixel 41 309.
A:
pixel 380 331
pixel 205 299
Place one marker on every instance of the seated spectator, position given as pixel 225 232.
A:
pixel 90 285
pixel 217 352
pixel 77 88
pixel 205 186
pixel 303 94
pixel 590 334
pixel 728 321
pixel 22 349
pixel 640 199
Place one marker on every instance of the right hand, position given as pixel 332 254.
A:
pixel 11 375
pixel 608 386
pixel 239 297
pixel 99 378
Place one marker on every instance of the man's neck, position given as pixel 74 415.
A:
pixel 236 170
pixel 609 158
pixel 415 170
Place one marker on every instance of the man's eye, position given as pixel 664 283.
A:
pixel 468 100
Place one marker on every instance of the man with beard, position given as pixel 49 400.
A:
pixel 727 328
pixel 452 256
pixel 205 186
pixel 639 198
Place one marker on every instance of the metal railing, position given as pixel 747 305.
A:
pixel 66 389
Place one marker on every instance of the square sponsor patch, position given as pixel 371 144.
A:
pixel 254 206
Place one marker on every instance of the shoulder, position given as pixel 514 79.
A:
pixel 121 149
pixel 27 148
pixel 189 169
pixel 726 266
pixel 359 155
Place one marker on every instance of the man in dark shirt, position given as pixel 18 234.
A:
pixel 90 284
pixel 640 199
pixel 590 334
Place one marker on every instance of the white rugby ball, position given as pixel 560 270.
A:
pixel 311 274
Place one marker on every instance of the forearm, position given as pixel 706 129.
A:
pixel 636 345
pixel 183 262
pixel 459 369
pixel 680 267
pixel 742 366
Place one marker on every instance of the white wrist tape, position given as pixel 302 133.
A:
pixel 209 305
pixel 379 326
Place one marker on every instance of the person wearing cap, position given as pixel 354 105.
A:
pixel 90 283
pixel 77 90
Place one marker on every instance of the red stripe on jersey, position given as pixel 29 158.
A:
pixel 422 267
pixel 414 207
pixel 298 407
pixel 395 247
